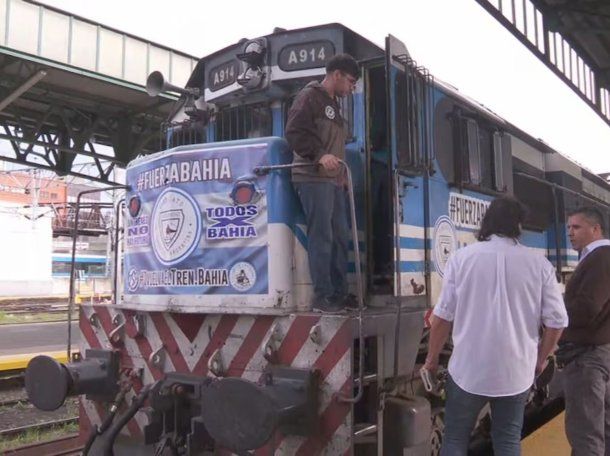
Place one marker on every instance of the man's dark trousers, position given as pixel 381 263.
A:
pixel 587 396
pixel 327 236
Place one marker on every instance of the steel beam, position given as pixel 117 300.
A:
pixel 22 89
pixel 594 89
pixel 51 145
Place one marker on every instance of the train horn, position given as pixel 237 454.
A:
pixel 156 84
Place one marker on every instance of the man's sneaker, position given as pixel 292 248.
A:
pixel 327 306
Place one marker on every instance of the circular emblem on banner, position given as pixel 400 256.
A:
pixel 176 226
pixel 330 112
pixel 445 242
pixel 242 276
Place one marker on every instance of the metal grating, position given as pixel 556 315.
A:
pixel 241 122
pixel 571 37
pixel 415 97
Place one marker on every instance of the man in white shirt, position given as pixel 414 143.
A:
pixel 496 294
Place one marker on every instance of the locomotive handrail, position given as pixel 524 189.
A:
pixel 73 260
pixel 117 216
pixel 262 170
pixel 398 272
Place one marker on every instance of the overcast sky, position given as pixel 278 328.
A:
pixel 456 40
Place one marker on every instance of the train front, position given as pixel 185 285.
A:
pixel 211 345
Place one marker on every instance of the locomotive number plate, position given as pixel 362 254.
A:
pixel 314 54
pixel 223 75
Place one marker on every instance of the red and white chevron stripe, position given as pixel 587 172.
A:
pixel 239 342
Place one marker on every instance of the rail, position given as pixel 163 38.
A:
pixel 37 427
pixel 62 446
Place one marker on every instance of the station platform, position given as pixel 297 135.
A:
pixel 20 361
pixel 548 440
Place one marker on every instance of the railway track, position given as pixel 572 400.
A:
pixel 63 446
pixel 34 308
pixel 53 306
pixel 20 421
pixel 10 380
pixel 13 401
pixel 37 427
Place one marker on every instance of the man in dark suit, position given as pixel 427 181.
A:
pixel 587 298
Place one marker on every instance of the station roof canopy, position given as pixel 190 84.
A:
pixel 572 37
pixel 72 91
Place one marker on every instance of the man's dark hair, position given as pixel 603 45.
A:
pixel 503 218
pixel 345 63
pixel 593 215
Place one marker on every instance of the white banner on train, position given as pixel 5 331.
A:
pixel 466 211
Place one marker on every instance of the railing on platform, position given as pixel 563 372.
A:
pixel 95 219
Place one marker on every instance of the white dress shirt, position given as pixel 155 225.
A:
pixel 498 293
pixel 592 246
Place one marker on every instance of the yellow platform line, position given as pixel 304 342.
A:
pixel 81 298
pixel 549 440
pixel 20 361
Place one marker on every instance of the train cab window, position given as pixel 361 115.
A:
pixel 483 151
pixel 347 112
pixel 242 122
pixel 538 199
pixel 411 112
pixel 474 152
pixel 498 162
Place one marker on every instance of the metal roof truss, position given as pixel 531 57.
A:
pixel 61 128
pixel 571 37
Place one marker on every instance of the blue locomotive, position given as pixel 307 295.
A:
pixel 211 338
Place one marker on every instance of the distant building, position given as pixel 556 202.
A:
pixel 36 220
pixel 21 187
pixel 26 234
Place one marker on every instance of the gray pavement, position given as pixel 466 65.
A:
pixel 36 337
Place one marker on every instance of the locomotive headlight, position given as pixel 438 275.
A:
pixel 135 204
pixel 251 77
pixel 244 191
pixel 254 53
pixel 253 58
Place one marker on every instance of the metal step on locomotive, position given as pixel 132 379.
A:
pixel 210 345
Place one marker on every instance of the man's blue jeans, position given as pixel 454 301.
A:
pixel 327 236
pixel 462 410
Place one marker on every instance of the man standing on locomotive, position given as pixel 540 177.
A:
pixel 584 350
pixel 316 132
pixel 496 294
